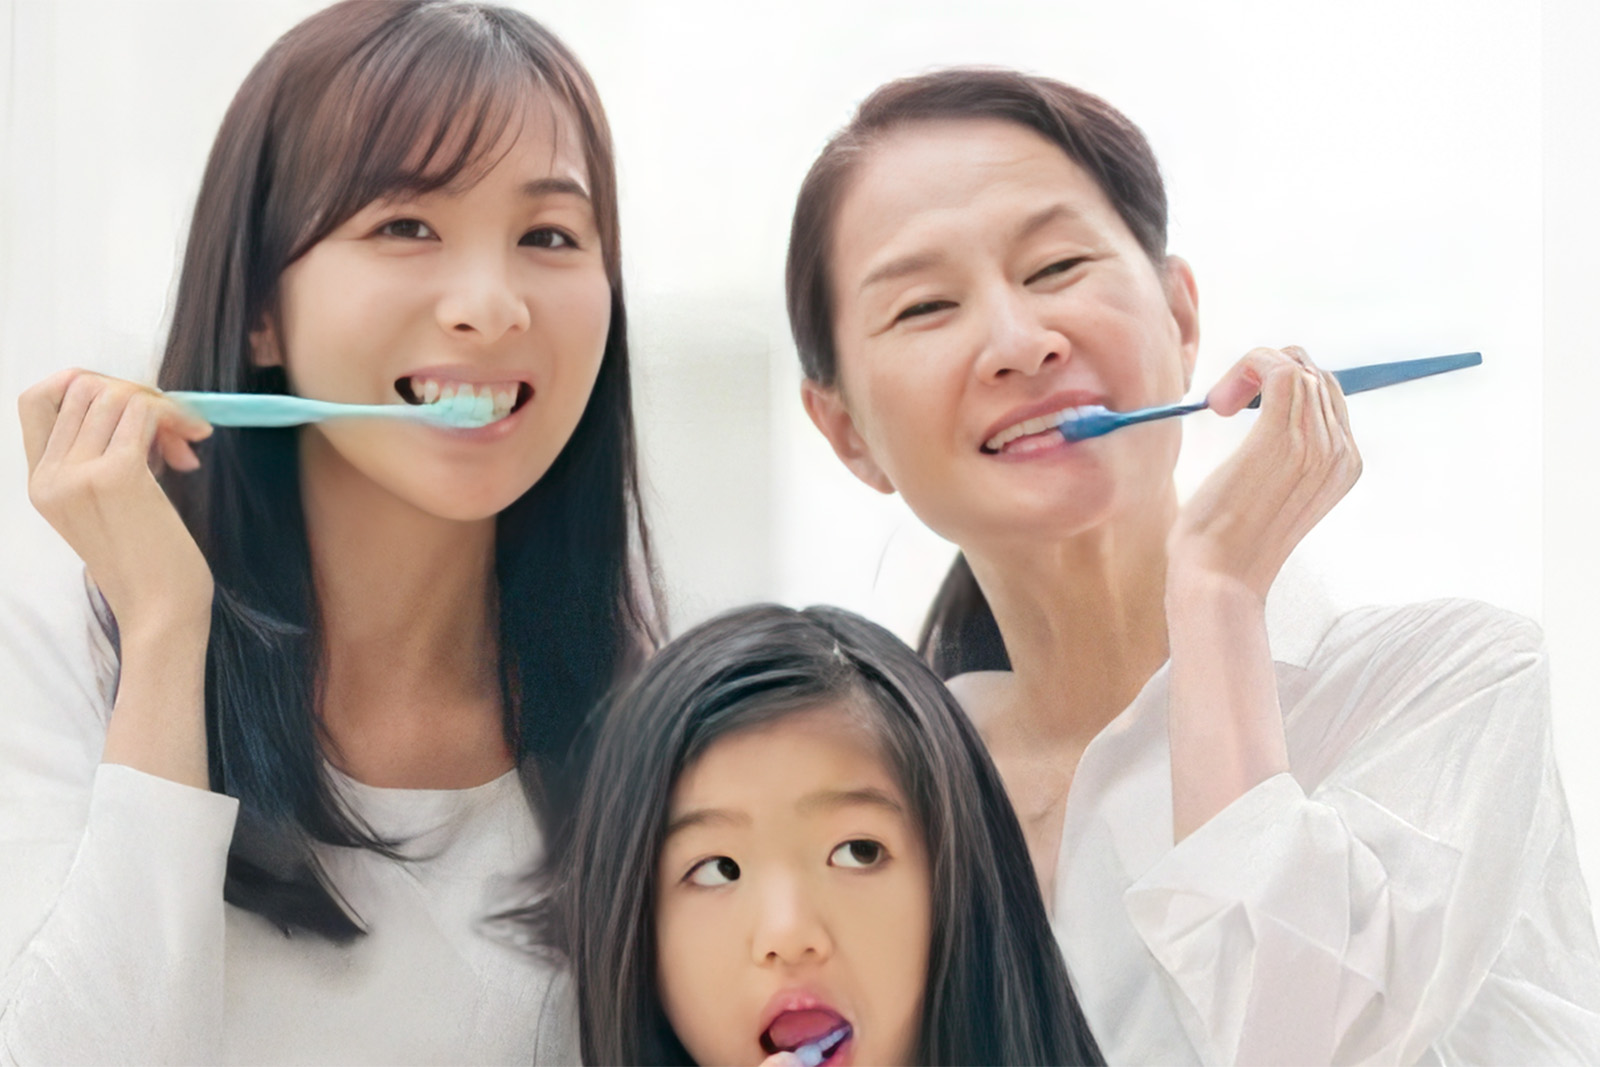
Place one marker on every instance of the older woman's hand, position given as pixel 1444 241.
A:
pixel 1297 462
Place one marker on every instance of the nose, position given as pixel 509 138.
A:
pixel 481 301
pixel 789 929
pixel 1018 340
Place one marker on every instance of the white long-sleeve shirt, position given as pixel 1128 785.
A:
pixel 115 943
pixel 1408 893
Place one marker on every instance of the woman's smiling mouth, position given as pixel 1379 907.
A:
pixel 492 400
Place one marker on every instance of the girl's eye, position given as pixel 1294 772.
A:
pixel 859 854
pixel 927 307
pixel 407 229
pixel 1055 268
pixel 547 237
pixel 718 870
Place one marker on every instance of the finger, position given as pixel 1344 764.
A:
pixel 1248 378
pixel 136 430
pixel 38 407
pixel 99 422
pixel 1336 393
pixel 81 393
pixel 176 453
pixel 180 419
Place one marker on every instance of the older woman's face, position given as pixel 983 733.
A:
pixel 983 284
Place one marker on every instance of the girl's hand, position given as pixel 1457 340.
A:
pixel 90 442
pixel 1297 462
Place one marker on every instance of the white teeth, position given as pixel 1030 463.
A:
pixel 1023 429
pixel 473 403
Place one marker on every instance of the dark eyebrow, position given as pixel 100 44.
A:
pixel 706 817
pixel 551 186
pixel 899 268
pixel 828 799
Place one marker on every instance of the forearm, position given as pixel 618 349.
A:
pixel 1224 722
pixel 158 721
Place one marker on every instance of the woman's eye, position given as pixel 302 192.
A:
pixel 1055 268
pixel 407 229
pixel 859 853
pixel 927 307
pixel 718 870
pixel 547 237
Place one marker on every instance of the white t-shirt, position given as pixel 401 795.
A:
pixel 115 943
pixel 1409 893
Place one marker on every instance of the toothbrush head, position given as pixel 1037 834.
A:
pixel 1089 421
pixel 464 410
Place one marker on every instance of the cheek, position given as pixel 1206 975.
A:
pixel 697 978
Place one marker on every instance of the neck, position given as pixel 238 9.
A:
pixel 1084 621
pixel 408 618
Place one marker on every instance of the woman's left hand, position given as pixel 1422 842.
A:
pixel 1297 462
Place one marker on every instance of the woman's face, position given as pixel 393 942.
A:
pixel 983 285
pixel 498 286
pixel 793 898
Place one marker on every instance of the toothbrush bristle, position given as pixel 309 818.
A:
pixel 1086 422
pixel 464 410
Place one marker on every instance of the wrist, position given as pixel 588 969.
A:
pixel 1194 588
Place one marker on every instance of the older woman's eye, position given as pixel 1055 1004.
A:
pixel 547 237
pixel 1055 268
pixel 860 853
pixel 718 870
pixel 407 229
pixel 927 307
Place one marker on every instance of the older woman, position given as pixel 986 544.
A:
pixel 1359 854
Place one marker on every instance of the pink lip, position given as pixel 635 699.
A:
pixel 1067 398
pixel 795 998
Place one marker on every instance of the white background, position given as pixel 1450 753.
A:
pixel 1371 180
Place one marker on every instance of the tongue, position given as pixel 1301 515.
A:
pixel 794 1028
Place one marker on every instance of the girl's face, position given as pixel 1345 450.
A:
pixel 983 284
pixel 498 286
pixel 794 897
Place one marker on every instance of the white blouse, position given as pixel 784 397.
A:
pixel 1409 893
pixel 116 946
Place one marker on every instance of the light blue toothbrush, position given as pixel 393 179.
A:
pixel 465 410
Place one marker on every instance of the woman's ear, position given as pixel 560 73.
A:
pixel 827 409
pixel 1183 300
pixel 265 351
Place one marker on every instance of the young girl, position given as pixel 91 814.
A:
pixel 1352 850
pixel 791 844
pixel 343 661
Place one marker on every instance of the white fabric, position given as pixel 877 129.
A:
pixel 116 946
pixel 1408 894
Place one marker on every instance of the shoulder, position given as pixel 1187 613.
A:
pixel 1469 667
pixel 1435 635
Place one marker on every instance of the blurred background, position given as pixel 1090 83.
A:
pixel 1370 180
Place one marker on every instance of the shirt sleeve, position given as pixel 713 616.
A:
pixel 1352 912
pixel 111 910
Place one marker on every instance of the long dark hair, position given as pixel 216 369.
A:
pixel 997 990
pixel 327 121
pixel 960 634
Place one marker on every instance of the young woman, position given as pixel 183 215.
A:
pixel 791 845
pixel 1358 855
pixel 345 661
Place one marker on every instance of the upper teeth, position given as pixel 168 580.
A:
pixel 490 400
pixel 1023 429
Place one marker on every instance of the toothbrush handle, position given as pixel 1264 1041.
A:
pixel 272 410
pixel 1377 375
pixel 1165 411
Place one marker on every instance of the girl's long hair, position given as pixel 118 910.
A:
pixel 366 98
pixel 997 990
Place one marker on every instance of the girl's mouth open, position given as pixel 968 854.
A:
pixel 812 1034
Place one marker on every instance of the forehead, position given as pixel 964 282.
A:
pixel 775 764
pixel 937 177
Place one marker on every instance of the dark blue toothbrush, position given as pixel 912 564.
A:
pixel 1093 421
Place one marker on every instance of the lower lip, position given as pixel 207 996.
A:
pixel 842 1055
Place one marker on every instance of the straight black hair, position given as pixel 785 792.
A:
pixel 366 98
pixel 996 990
